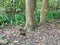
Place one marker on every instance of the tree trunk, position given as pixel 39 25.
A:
pixel 43 11
pixel 30 16
pixel 58 2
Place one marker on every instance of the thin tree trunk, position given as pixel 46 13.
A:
pixel 43 11
pixel 30 16
pixel 58 2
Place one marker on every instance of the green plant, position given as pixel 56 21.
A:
pixel 19 19
pixel 37 17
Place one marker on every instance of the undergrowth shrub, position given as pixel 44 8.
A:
pixel 19 19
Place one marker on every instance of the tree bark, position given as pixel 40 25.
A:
pixel 43 11
pixel 30 16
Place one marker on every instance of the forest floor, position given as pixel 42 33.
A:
pixel 48 34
